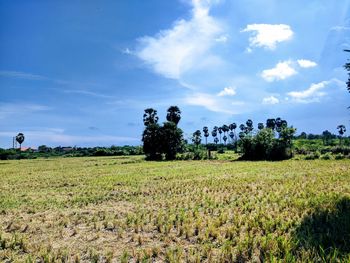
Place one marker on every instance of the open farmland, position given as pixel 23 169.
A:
pixel 125 209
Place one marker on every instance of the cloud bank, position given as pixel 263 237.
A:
pixel 174 51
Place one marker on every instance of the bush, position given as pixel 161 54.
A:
pixel 313 156
pixel 339 156
pixel 326 156
pixel 221 151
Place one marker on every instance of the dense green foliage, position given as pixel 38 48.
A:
pixel 44 151
pixel 123 209
pixel 162 140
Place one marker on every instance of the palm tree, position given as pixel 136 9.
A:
pixel 225 139
pixel 173 114
pixel 341 130
pixel 150 117
pixel 260 126
pixel 214 133
pixel 234 125
pixel 271 124
pixel 220 132
pixel 206 134
pixel 216 140
pixel 20 139
pixel 197 138
pixel 243 128
pixel 249 124
pixel 232 135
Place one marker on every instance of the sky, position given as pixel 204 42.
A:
pixel 81 73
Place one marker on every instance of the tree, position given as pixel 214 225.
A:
pixel 232 135
pixel 216 140
pixel 225 129
pixel 271 124
pixel 166 139
pixel 152 142
pixel 206 134
pixel 150 117
pixel 260 125
pixel 326 136
pixel 303 135
pixel 225 139
pixel 341 130
pixel 214 133
pixel 20 139
pixel 171 140
pixel 220 132
pixel 249 124
pixel 242 127
pixel 173 114
pixel 197 138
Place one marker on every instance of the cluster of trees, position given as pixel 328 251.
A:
pixel 225 133
pixel 229 131
pixel 327 137
pixel 260 145
pixel 162 140
pixel 45 151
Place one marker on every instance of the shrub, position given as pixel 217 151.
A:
pixel 326 156
pixel 339 156
pixel 313 156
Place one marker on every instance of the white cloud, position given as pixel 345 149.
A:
pixel 313 93
pixel 304 63
pixel 209 102
pixel 222 39
pixel 186 45
pixel 281 71
pixel 13 109
pixel 267 35
pixel 228 91
pixel 270 100
pixel 21 75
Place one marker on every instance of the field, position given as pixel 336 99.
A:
pixel 123 209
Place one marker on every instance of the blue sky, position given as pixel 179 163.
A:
pixel 82 72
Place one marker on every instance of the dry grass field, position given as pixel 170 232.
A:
pixel 123 209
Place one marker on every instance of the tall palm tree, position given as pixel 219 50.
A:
pixel 150 117
pixel 225 139
pixel 341 130
pixel 243 128
pixel 173 114
pixel 232 135
pixel 271 124
pixel 234 125
pixel 197 138
pixel 20 139
pixel 220 132
pixel 214 133
pixel 249 124
pixel 206 134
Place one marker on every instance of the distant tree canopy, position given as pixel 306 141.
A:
pixel 162 140
pixel 264 145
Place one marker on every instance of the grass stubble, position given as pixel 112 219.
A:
pixel 123 209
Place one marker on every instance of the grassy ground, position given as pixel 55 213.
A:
pixel 125 209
